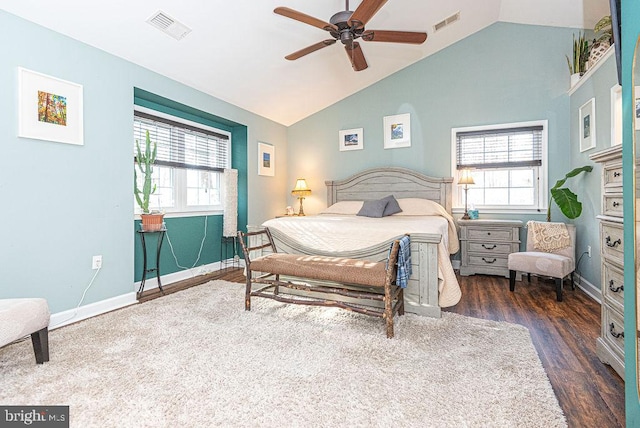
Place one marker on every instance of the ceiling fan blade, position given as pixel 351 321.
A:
pixel 299 16
pixel 356 56
pixel 309 49
pixel 365 12
pixel 394 36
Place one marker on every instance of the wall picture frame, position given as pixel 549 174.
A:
pixel 636 107
pixel 397 131
pixel 49 108
pixel 266 160
pixel 351 139
pixel 587 125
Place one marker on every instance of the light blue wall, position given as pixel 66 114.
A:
pixel 62 204
pixel 504 73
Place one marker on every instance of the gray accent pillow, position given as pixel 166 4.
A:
pixel 373 208
pixel 393 207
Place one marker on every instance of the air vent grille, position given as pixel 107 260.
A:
pixel 168 25
pixel 447 21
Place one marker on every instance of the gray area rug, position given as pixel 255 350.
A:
pixel 196 358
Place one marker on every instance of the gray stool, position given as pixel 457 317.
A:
pixel 21 317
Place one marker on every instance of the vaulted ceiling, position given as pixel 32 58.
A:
pixel 236 49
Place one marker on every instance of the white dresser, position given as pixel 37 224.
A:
pixel 610 344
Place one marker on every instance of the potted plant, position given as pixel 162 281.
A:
pixel 566 200
pixel 578 62
pixel 151 221
pixel 603 40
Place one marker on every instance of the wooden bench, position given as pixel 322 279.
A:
pixel 364 280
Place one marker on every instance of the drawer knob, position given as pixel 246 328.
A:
pixel 616 289
pixel 489 261
pixel 488 233
pixel 486 247
pixel 616 174
pixel 612 331
pixel 615 204
pixel 614 243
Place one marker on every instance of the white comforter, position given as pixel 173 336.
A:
pixel 335 233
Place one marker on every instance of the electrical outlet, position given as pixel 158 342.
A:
pixel 589 250
pixel 97 262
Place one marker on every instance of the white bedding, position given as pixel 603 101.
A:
pixel 335 233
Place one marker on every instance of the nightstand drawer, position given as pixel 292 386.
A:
pixel 613 285
pixel 489 248
pixel 488 260
pixel 489 235
pixel 612 177
pixel 613 329
pixel 612 205
pixel 611 241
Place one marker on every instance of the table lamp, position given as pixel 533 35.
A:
pixel 466 179
pixel 301 190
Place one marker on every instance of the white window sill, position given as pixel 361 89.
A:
pixel 187 214
pixel 513 211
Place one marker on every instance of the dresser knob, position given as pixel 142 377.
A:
pixel 617 289
pixel 616 174
pixel 612 331
pixel 615 204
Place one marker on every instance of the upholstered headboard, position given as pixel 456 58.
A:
pixel 377 183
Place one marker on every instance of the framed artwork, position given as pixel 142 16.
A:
pixel 636 116
pixel 397 131
pixel 49 108
pixel 587 124
pixel 266 159
pixel 351 139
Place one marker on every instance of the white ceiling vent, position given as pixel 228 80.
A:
pixel 449 20
pixel 168 25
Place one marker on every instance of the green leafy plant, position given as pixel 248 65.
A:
pixel 578 62
pixel 145 161
pixel 604 28
pixel 566 200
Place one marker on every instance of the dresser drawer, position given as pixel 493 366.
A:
pixel 611 241
pixel 497 261
pixel 612 205
pixel 612 285
pixel 489 236
pixel 612 177
pixel 490 248
pixel 613 329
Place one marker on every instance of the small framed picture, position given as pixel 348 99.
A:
pixel 49 108
pixel 397 131
pixel 266 160
pixel 587 124
pixel 636 106
pixel 351 139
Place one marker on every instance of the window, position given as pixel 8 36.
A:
pixel 507 163
pixel 189 165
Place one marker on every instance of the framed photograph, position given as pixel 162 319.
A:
pixel 49 108
pixel 587 124
pixel 351 139
pixel 397 131
pixel 637 107
pixel 266 159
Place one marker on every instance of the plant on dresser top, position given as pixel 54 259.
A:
pixel 566 200
pixel 151 221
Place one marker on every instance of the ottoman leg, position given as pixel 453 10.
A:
pixel 40 340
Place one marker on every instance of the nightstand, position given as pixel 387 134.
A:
pixel 486 244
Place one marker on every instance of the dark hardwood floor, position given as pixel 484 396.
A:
pixel 590 393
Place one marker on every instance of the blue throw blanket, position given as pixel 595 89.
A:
pixel 404 262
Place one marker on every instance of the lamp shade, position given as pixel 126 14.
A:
pixel 466 177
pixel 301 189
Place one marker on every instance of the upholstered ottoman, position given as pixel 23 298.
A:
pixel 20 317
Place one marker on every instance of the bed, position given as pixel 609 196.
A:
pixel 426 216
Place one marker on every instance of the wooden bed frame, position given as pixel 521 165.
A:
pixel 421 294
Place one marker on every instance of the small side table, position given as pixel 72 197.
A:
pixel 156 269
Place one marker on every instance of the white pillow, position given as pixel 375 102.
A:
pixel 418 206
pixel 344 208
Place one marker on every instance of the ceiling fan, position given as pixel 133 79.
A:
pixel 347 27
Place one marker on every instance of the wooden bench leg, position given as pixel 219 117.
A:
pixel 401 297
pixel 40 340
pixel 247 294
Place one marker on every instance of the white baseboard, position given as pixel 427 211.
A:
pixel 61 319
pixel 591 290
pixel 71 316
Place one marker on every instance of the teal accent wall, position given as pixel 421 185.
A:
pixel 630 38
pixel 502 74
pixel 185 235
pixel 62 203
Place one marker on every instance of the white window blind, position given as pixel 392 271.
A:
pixel 181 145
pixel 499 148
